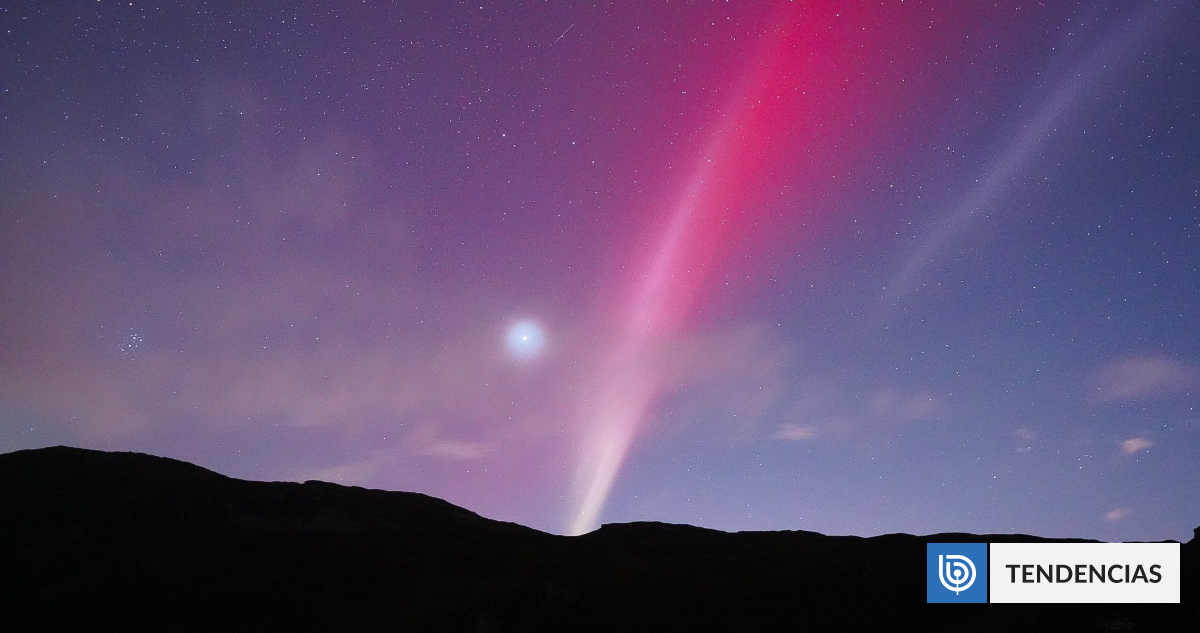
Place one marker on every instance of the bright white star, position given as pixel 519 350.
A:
pixel 525 339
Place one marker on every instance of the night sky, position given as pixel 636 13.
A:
pixel 857 268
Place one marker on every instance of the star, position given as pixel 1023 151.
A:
pixel 525 339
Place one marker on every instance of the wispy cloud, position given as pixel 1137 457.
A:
pixel 1026 437
pixel 837 427
pixel 1117 514
pixel 796 432
pixel 1143 377
pixel 890 404
pixel 1135 444
pixel 453 449
pixel 838 417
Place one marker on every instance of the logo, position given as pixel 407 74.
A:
pixel 962 574
pixel 956 572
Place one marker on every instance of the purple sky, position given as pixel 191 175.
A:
pixel 846 267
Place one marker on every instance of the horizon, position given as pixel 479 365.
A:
pixel 746 266
pixel 643 521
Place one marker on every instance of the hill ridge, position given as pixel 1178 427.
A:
pixel 140 541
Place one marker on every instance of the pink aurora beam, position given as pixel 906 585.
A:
pixel 766 108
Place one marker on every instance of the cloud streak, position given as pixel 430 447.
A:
pixel 1118 514
pixel 1143 377
pixel 889 404
pixel 793 432
pixel 828 420
pixel 1135 445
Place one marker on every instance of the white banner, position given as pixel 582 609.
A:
pixel 1083 572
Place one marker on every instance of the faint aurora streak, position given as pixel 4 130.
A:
pixel 1035 133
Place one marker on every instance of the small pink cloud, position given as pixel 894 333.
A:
pixel 1026 437
pixel 1117 514
pixel 1135 378
pixel 453 449
pixel 1135 444
pixel 796 432
pixel 833 427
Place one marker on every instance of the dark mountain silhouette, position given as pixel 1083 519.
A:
pixel 102 540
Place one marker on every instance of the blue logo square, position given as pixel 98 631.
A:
pixel 956 572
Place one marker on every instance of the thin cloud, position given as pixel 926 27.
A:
pixel 796 432
pixel 832 427
pixel 826 417
pixel 1144 377
pixel 892 405
pixel 1027 437
pixel 453 449
pixel 1117 514
pixel 1135 444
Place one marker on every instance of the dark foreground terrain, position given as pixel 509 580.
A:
pixel 127 541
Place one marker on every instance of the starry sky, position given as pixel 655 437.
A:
pixel 852 267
